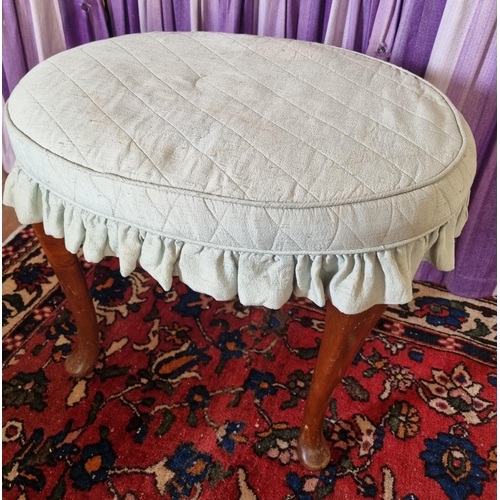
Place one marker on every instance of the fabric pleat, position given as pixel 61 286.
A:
pixel 353 282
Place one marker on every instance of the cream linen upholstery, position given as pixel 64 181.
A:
pixel 244 165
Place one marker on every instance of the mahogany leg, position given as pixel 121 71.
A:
pixel 342 338
pixel 70 275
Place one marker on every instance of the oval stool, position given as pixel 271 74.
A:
pixel 246 166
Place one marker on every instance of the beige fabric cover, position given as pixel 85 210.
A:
pixel 245 165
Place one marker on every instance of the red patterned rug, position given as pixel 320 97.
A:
pixel 199 399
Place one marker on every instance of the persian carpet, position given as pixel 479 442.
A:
pixel 199 399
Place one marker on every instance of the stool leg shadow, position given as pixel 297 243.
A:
pixel 342 338
pixel 70 275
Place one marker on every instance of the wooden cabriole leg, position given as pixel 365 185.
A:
pixel 70 275
pixel 343 336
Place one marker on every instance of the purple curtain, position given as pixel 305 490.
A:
pixel 450 43
pixel 470 82
pixel 124 17
pixel 416 34
pixel 14 64
pixel 83 22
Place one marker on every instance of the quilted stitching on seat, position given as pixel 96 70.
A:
pixel 237 162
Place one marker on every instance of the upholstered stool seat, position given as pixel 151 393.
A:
pixel 246 166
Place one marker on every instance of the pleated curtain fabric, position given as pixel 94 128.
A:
pixel 452 43
pixel 463 65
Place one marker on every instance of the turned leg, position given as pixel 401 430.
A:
pixel 70 275
pixel 343 336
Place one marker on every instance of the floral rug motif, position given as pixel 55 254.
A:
pixel 198 399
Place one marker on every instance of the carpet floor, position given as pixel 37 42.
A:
pixel 198 399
